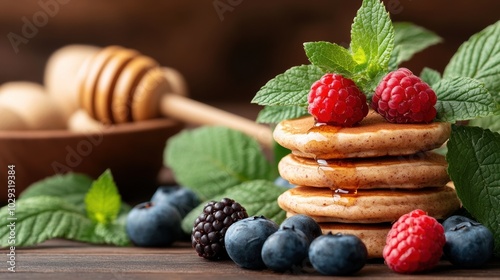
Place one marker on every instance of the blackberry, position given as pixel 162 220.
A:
pixel 210 227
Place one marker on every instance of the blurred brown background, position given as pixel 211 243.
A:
pixel 226 49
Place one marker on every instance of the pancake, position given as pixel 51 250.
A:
pixel 373 137
pixel 426 169
pixel 368 206
pixel 372 235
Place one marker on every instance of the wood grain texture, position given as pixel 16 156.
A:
pixel 61 259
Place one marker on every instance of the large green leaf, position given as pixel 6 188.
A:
pixel 210 160
pixel 72 187
pixel 479 58
pixel 474 166
pixel 462 98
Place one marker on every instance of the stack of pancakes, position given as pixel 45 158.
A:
pixel 358 180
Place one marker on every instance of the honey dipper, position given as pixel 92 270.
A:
pixel 118 85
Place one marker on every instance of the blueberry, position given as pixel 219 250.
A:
pixel 281 182
pixel 454 220
pixel 284 249
pixel 337 254
pixel 245 238
pixel 181 198
pixel 153 225
pixel 305 224
pixel 468 244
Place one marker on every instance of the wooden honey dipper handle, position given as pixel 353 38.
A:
pixel 119 85
pixel 191 111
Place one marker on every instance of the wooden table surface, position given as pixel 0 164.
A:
pixel 62 259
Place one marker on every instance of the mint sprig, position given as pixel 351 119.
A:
pixel 473 164
pixel 102 201
pixel 56 207
pixel 372 42
pixel 377 46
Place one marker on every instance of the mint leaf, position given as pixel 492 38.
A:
pixel 372 39
pixel 474 167
pixel 275 114
pixel 103 201
pixel 479 58
pixel 289 88
pixel 259 197
pixel 72 187
pixel 112 234
pixel 410 39
pixel 430 76
pixel 492 123
pixel 211 159
pixel 462 98
pixel 332 58
pixel 41 218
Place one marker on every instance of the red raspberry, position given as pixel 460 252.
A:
pixel 402 97
pixel 414 243
pixel 336 100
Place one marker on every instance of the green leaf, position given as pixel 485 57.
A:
pixel 259 197
pixel 275 114
pixel 103 202
pixel 41 218
pixel 479 58
pixel 72 187
pixel 492 123
pixel 372 38
pixel 474 167
pixel 430 76
pixel 410 39
pixel 112 234
pixel 289 88
pixel 211 159
pixel 332 58
pixel 462 98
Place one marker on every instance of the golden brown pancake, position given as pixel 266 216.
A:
pixel 373 235
pixel 426 169
pixel 372 137
pixel 368 206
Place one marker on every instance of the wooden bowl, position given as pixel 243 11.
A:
pixel 133 152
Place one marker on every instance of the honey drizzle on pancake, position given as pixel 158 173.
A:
pixel 339 194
